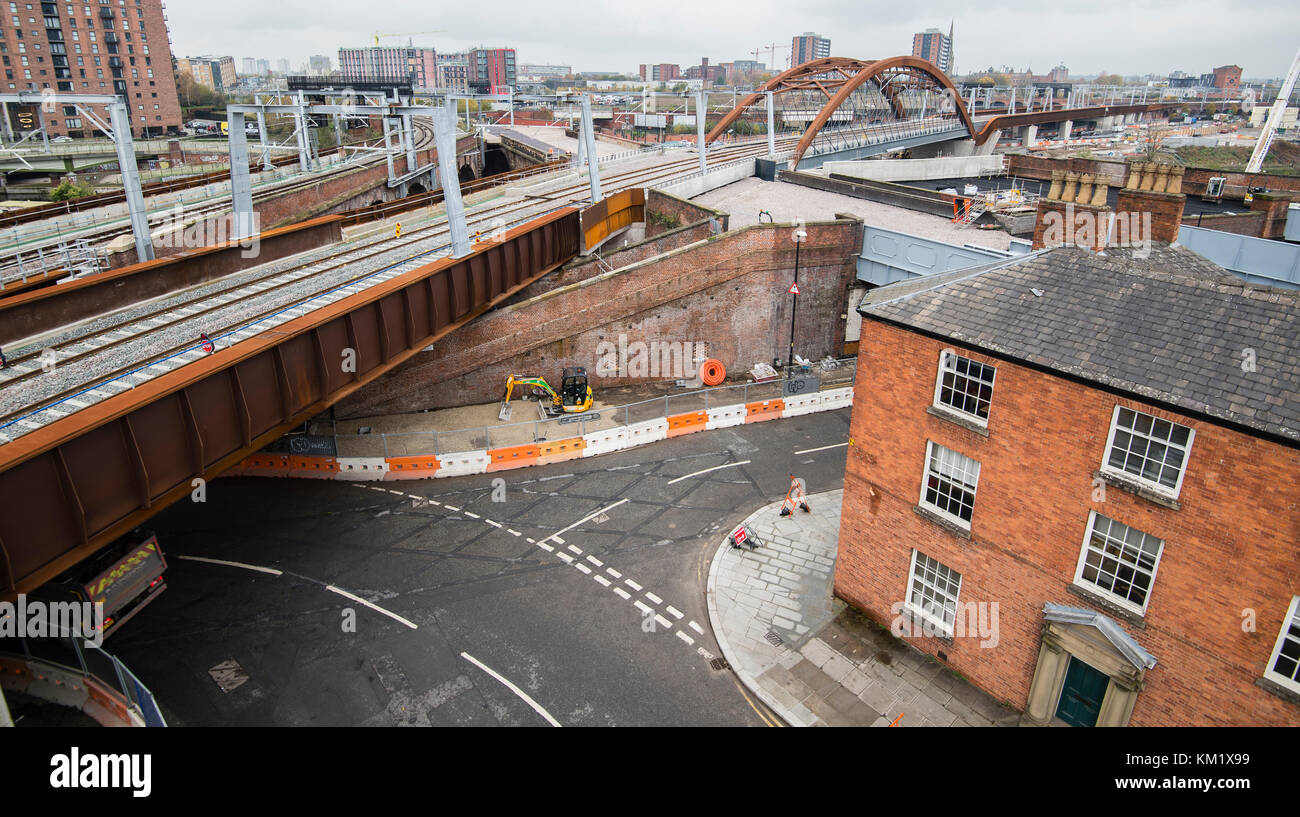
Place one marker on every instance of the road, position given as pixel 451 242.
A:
pixel 430 554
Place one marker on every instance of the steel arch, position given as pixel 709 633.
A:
pixel 852 74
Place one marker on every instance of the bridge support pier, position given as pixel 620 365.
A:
pixel 771 126
pixel 701 109
pixel 1029 136
pixel 1066 127
pixel 444 129
pixel 241 190
pixel 131 180
pixel 589 139
pixel 989 145
pixel 408 139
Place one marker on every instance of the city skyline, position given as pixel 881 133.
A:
pixel 1103 37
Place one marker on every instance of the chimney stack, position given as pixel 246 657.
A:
pixel 1156 189
pixel 1074 212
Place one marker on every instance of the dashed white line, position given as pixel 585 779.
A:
pixel 643 607
pixel 684 637
pixel 633 585
pixel 372 606
pixel 663 622
pixel 471 515
pixel 534 704
pixel 603 581
pixel 611 571
pixel 707 470
pixel 270 570
pixel 566 557
pixel 582 567
pixel 576 549
pixel 595 561
pixel 653 598
pixel 493 523
pixel 626 595
pixel 592 515
pixel 513 532
pixel 823 448
pixel 451 507
pixel 674 612
pixel 697 628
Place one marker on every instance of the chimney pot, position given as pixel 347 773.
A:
pixel 1058 180
pixel 1071 186
pixel 1162 178
pixel 1100 190
pixel 1175 180
pixel 1085 188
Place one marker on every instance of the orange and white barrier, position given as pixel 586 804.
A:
pixel 506 458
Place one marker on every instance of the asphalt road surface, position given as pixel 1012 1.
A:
pixel 472 623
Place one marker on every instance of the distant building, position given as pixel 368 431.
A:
pixel 809 46
pixel 663 72
pixel 492 69
pixel 248 66
pixel 282 65
pixel 453 72
pixel 1227 77
pixel 935 46
pixel 263 67
pixel 1059 74
pixel 319 65
pixel 217 73
pixel 372 63
pixel 546 71
pixel 741 68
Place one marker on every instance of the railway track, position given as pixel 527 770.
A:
pixel 116 353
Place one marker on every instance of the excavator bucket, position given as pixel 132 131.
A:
pixel 504 413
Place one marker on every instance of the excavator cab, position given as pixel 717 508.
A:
pixel 575 394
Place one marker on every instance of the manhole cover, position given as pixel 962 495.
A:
pixel 228 675
pixel 719 664
pixel 773 638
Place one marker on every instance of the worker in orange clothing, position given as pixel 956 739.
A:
pixel 795 498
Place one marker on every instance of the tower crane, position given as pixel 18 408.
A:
pixel 1266 135
pixel 406 34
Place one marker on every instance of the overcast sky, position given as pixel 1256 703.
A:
pixel 1090 36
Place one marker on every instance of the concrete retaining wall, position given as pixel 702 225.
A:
pixel 699 185
pixel 901 170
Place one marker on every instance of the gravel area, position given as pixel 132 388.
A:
pixel 786 202
pixel 555 137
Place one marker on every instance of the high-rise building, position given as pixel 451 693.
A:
pixel 282 65
pixel 492 69
pixel 662 72
pixel 807 47
pixel 452 72
pixel 217 73
pixel 378 63
pixel 263 67
pixel 121 49
pixel 319 65
pixel 248 66
pixel 546 71
pixel 935 46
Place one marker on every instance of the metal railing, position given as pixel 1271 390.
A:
pixel 423 443
pixel 848 138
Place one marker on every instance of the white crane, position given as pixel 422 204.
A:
pixel 1256 162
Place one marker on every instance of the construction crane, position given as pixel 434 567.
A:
pixel 407 34
pixel 771 53
pixel 1265 140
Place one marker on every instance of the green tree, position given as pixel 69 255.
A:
pixel 66 191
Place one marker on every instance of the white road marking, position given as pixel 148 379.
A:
pixel 545 547
pixel 697 628
pixel 611 571
pixel 633 585
pixel 492 523
pixel 674 612
pixel 823 448
pixel 626 595
pixel 566 557
pixel 643 607
pixel 471 515
pixel 653 598
pixel 592 515
pixel 707 470
pixel 595 561
pixel 534 704
pixel 372 606
pixel 684 637
pixel 451 507
pixel 513 532
pixel 604 581
pixel 582 567
pixel 270 570
pixel 576 549
pixel 663 622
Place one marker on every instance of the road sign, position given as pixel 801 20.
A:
pixel 738 536
pixel 794 288
pixel 24 118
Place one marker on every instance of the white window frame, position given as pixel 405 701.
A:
pixel 925 484
pixel 944 356
pixel 1110 595
pixel 944 627
pixel 1107 468
pixel 1292 614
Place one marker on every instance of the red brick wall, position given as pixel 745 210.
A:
pixel 728 293
pixel 1233 544
pixel 1251 224
pixel 682 211
pixel 1194 179
pixel 1166 212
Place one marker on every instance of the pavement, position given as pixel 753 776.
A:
pixel 811 658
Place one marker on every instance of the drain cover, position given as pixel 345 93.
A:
pixel 719 664
pixel 773 638
pixel 228 675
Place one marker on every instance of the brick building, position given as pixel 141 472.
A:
pixel 492 70
pixel 662 72
pixel 1228 77
pixel 935 46
pixel 1104 445
pixel 217 73
pixel 121 48
pixel 378 63
pixel 807 47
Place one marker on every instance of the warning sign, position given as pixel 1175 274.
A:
pixel 794 288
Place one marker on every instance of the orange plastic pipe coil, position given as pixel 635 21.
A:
pixel 712 372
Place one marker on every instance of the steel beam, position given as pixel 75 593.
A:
pixel 771 125
pixel 131 180
pixel 241 189
pixel 444 132
pixel 701 107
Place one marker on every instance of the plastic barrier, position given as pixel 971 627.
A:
pixel 560 450
pixel 726 416
pixel 362 467
pixel 648 431
pixel 466 462
pixel 837 398
pixel 412 467
pixel 759 411
pixel 606 441
pixel 512 456
pixel 802 404
pixel 687 423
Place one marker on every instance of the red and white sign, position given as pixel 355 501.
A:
pixel 794 288
pixel 738 536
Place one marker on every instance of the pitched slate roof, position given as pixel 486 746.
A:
pixel 1170 327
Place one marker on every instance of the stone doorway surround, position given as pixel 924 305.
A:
pixel 1097 641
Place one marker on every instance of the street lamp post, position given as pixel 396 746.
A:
pixel 799 235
